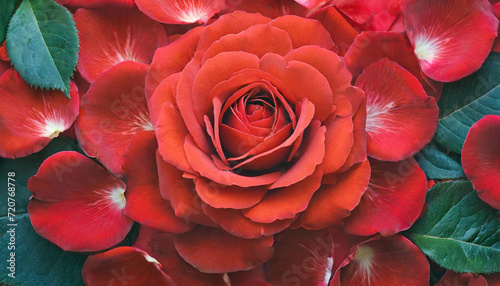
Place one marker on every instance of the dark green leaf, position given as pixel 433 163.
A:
pixel 8 8
pixel 438 163
pixel 466 101
pixel 42 44
pixel 459 231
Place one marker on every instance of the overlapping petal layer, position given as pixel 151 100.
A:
pixel 111 112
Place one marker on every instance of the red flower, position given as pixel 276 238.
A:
pixel 481 159
pixel 256 135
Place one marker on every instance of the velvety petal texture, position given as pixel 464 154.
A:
pixel 111 112
pixel 401 118
pixel 386 261
pixel 30 118
pixel 113 35
pixel 481 159
pixel 206 249
pixel 180 11
pixel 452 47
pixel 144 202
pixel 73 211
pixel 393 200
pixel 124 265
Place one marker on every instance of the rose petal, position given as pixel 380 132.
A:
pixel 371 14
pixel 269 8
pixel 181 193
pixel 278 42
pixel 180 11
pixel 73 212
pixel 387 261
pixel 96 3
pixel 235 223
pixel 253 277
pixel 452 47
pixel 304 32
pixel 341 32
pixel 370 47
pixel 393 200
pixel 124 265
pixel 302 257
pixel 30 118
pixel 144 202
pixel 162 248
pixel 206 249
pixel 205 165
pixel 292 74
pixel 129 36
pixel 401 118
pixel 470 279
pixel 111 112
pixel 285 203
pixel 331 203
pixel 481 158
pixel 234 197
pixel 172 59
pixel 164 92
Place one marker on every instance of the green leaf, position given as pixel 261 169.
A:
pixel 466 101
pixel 439 163
pixel 38 261
pixel 8 8
pixel 459 231
pixel 42 44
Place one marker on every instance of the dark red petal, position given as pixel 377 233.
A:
pixel 331 203
pixel 481 159
pixel 341 32
pixel 124 265
pixel 96 3
pixel 76 213
pixel 207 249
pixel 234 197
pixel 370 47
pixel 302 257
pixel 206 166
pixel 250 41
pixel 31 118
pixel 496 44
pixel 129 36
pixel 452 47
pixel 469 279
pixel 235 223
pixel 287 202
pixel 162 248
pixel 144 202
pixel 111 112
pixel 304 32
pixel 253 277
pixel 181 193
pixel 401 118
pixel 371 15
pixel 171 59
pixel 180 11
pixel 390 261
pixel 291 74
pixel 393 200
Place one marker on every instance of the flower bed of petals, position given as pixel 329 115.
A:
pixel 239 142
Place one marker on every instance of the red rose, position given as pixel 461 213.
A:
pixel 262 112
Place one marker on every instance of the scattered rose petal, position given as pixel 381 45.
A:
pixel 73 212
pixel 180 11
